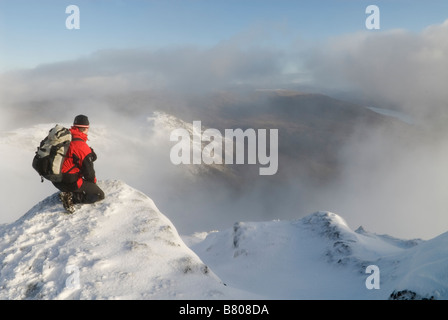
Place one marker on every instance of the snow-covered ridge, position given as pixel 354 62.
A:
pixel 320 257
pixel 394 114
pixel 124 248
pixel 120 248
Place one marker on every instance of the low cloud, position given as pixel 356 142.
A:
pixel 399 69
pixel 387 184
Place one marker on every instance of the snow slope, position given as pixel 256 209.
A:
pixel 124 248
pixel 120 248
pixel 320 257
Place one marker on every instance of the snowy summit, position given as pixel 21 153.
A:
pixel 124 248
pixel 120 248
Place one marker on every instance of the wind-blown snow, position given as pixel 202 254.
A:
pixel 124 248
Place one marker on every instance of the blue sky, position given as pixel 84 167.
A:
pixel 33 32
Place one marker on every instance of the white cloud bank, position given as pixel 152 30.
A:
pixel 405 70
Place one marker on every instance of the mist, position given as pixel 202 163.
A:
pixel 393 183
pixel 390 180
pixel 395 69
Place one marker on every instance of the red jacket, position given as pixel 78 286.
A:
pixel 78 163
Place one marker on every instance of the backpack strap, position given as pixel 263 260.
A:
pixel 75 158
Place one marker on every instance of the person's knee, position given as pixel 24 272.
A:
pixel 90 193
pixel 93 197
pixel 101 195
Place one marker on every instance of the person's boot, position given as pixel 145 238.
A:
pixel 67 201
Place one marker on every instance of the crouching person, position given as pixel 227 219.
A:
pixel 78 183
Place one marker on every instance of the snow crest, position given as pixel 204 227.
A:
pixel 119 248
pixel 124 248
pixel 321 257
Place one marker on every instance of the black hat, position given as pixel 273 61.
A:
pixel 81 121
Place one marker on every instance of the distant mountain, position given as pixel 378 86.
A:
pixel 313 128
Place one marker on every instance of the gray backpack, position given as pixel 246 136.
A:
pixel 51 153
